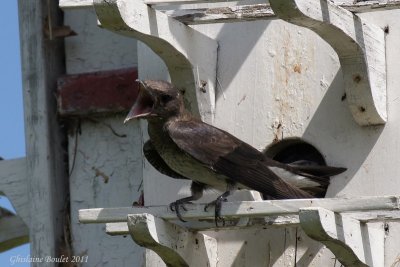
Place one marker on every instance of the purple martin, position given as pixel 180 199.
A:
pixel 183 147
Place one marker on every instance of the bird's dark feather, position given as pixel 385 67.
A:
pixel 157 161
pixel 315 170
pixel 228 155
pixel 317 173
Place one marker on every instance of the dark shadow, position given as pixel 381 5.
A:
pixel 366 242
pixel 313 248
pixel 325 11
pixel 273 249
pixel 343 139
pixel 239 37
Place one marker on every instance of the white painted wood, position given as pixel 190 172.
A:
pixel 179 2
pixel 189 55
pixel 103 149
pixel 392 235
pixel 353 243
pixel 13 230
pixel 360 47
pixel 13 184
pixel 245 208
pixel 345 236
pixel 74 4
pixel 373 243
pixel 368 6
pixel 257 60
pixel 175 245
pixel 363 6
pixel 42 64
pixel 207 224
pixel 106 163
pixel 93 48
pixel 119 228
pixel 375 216
pixel 222 15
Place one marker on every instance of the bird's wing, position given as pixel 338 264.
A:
pixel 224 153
pixel 316 170
pixel 157 161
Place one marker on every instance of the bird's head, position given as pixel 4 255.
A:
pixel 156 99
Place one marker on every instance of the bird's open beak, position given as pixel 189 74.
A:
pixel 143 105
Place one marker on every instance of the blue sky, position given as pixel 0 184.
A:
pixel 12 144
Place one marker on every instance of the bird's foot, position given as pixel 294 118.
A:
pixel 175 206
pixel 218 204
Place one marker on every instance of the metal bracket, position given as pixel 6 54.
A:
pixel 359 45
pixel 190 56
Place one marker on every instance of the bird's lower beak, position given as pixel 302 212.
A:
pixel 142 107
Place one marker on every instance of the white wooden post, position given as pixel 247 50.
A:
pixel 46 162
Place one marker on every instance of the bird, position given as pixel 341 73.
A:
pixel 182 146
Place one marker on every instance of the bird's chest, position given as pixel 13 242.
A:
pixel 183 163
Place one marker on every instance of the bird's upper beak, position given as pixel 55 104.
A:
pixel 143 105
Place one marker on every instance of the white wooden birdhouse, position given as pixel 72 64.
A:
pixel 281 75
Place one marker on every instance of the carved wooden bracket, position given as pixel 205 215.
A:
pixel 352 242
pixel 174 244
pixel 359 45
pixel 13 184
pixel 353 229
pixel 190 56
pixel 13 230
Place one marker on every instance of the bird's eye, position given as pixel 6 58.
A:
pixel 165 98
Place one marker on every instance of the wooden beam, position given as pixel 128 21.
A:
pixel 369 6
pixel 121 228
pixel 42 64
pixel 350 5
pixel 222 14
pixel 182 2
pixel 75 4
pixel 246 208
pixel 96 93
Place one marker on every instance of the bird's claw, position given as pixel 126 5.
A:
pixel 217 215
pixel 174 206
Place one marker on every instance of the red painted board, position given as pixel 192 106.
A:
pixel 97 92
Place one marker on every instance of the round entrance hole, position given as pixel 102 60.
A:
pixel 294 149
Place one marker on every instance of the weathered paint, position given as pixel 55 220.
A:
pixel 46 167
pixel 106 171
pixel 94 49
pixel 274 80
pixel 102 150
pixel 97 93
pixel 280 80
